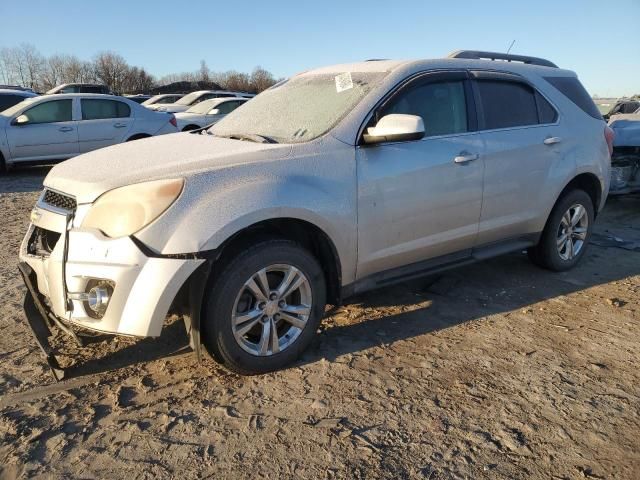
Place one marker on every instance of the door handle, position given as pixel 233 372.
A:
pixel 119 125
pixel 465 157
pixel 552 140
pixel 65 129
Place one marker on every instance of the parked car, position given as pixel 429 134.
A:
pixel 80 88
pixel 622 107
pixel 16 87
pixel 194 98
pixel 56 127
pixel 207 113
pixel 625 161
pixel 8 97
pixel 338 180
pixel 163 99
pixel 138 98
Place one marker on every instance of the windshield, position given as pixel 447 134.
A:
pixel 203 107
pixel 13 110
pixel 300 109
pixel 189 99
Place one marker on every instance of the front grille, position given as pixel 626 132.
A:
pixel 59 200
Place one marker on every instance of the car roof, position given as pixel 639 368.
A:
pixel 416 65
pixel 22 93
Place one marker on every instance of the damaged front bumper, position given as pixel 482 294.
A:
pixel 625 173
pixel 61 263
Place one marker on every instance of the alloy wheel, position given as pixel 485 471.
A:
pixel 572 232
pixel 271 309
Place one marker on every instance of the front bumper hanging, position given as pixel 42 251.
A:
pixel 40 321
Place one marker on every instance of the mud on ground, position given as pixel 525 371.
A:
pixel 496 370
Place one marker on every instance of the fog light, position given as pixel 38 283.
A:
pixel 95 298
pixel 98 300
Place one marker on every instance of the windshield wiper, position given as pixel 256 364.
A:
pixel 251 137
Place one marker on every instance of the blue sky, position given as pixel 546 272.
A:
pixel 285 37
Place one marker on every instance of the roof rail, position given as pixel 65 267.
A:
pixel 479 55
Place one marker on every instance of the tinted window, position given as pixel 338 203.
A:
pixel 227 107
pixel 92 89
pixel 507 104
pixel 69 90
pixel 7 101
pixel 168 100
pixel 442 106
pixel 50 112
pixel 99 109
pixel 629 107
pixel 546 112
pixel 571 88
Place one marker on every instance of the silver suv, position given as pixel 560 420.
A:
pixel 335 181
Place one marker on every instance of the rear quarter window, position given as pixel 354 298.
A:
pixel 571 88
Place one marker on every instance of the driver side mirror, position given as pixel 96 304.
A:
pixel 20 120
pixel 395 127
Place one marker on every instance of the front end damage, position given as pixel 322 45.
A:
pixel 625 160
pixel 79 279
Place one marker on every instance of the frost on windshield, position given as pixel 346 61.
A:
pixel 299 109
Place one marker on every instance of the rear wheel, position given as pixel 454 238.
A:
pixel 264 307
pixel 188 128
pixel 566 236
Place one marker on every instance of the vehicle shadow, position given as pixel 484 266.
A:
pixel 408 310
pixel 24 179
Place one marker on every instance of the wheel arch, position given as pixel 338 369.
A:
pixel 138 136
pixel 303 232
pixel 588 182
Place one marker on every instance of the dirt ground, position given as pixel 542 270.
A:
pixel 496 370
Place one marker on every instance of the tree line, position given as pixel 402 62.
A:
pixel 24 65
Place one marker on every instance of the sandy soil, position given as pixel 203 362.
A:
pixel 497 370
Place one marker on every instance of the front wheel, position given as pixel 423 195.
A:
pixel 566 236
pixel 264 307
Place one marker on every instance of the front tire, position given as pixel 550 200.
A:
pixel 565 238
pixel 264 307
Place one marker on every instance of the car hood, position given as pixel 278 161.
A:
pixel 88 176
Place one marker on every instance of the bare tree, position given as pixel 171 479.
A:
pixel 204 74
pixel 22 65
pixel 111 69
pixel 261 79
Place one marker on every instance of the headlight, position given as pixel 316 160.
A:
pixel 123 211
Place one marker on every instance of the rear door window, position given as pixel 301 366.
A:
pixel 507 104
pixel 441 105
pixel 98 109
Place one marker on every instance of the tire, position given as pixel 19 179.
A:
pixel 550 253
pixel 236 318
pixel 3 165
pixel 188 128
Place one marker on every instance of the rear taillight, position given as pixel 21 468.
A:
pixel 173 121
pixel 609 135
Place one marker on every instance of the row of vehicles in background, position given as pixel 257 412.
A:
pixel 624 119
pixel 76 118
